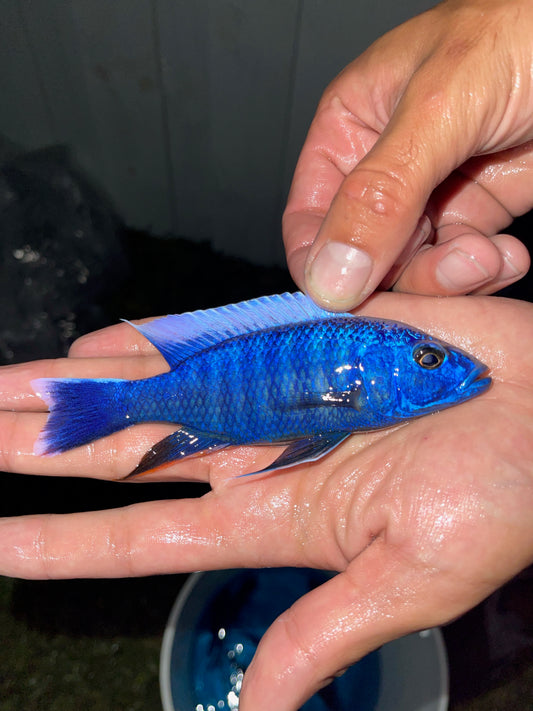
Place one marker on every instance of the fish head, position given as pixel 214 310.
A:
pixel 406 373
pixel 430 375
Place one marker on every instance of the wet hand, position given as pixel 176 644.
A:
pixel 419 154
pixel 421 521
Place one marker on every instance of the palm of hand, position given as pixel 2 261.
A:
pixel 423 521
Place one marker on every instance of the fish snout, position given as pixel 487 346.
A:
pixel 477 381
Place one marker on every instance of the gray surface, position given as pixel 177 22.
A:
pixel 190 115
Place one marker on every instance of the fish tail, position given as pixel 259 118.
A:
pixel 80 411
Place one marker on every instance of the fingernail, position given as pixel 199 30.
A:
pixel 460 271
pixel 509 271
pixel 422 231
pixel 338 274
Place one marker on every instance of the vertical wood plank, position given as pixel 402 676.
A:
pixel 100 73
pixel 24 116
pixel 191 115
pixel 225 67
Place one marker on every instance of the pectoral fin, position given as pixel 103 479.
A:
pixel 305 450
pixel 180 444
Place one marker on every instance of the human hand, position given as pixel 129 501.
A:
pixel 419 154
pixel 422 521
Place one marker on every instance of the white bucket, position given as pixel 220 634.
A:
pixel 412 676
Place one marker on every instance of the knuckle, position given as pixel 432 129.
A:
pixel 40 552
pixel 377 194
pixel 8 454
pixel 303 651
pixel 120 544
pixel 115 458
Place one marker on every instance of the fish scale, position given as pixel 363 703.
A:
pixel 272 370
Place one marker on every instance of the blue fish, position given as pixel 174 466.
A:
pixel 276 369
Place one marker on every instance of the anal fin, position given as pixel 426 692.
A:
pixel 308 449
pixel 180 444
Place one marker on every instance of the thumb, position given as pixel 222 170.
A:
pixel 377 213
pixel 437 90
pixel 377 599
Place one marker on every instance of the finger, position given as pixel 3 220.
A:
pixel 457 266
pixel 515 260
pixel 487 193
pixel 118 340
pixel 467 199
pixel 215 531
pixel 424 234
pixel 114 457
pixel 466 263
pixel 477 201
pixel 350 118
pixel 378 205
pixel 504 176
pixel 378 598
pixel 108 458
pixel 16 392
pixel 430 133
pixel 336 141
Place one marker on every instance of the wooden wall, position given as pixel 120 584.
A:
pixel 189 114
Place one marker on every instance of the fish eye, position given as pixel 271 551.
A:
pixel 429 357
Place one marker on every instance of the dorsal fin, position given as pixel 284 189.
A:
pixel 182 335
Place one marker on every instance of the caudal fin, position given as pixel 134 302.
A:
pixel 80 411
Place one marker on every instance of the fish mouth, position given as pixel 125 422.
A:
pixel 477 381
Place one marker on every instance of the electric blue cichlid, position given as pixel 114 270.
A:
pixel 276 369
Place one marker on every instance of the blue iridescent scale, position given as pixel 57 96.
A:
pixel 253 387
pixel 271 370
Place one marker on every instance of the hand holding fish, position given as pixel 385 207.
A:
pixel 421 520
pixel 419 154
